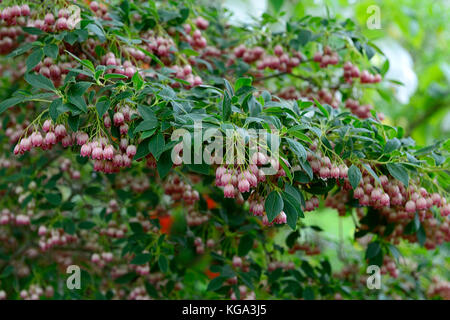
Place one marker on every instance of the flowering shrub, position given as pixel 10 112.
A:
pixel 95 172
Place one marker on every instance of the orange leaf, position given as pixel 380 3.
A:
pixel 166 223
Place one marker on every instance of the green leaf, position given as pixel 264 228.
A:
pixel 398 172
pixel 273 205
pixel 297 148
pixel 151 290
pixel 372 173
pixel 146 125
pixel 190 52
pixel 321 108
pixel 276 4
pixel 20 50
pixel 228 87
pixel 79 88
pixel 126 278
pixel 292 238
pixel 142 150
pixel 293 191
pixel 141 258
pixel 246 279
pixel 39 81
pixel 151 55
pixel 384 67
pixel 163 264
pixel 286 169
pixel 53 109
pixel 303 37
pixel 421 235
pixel 51 50
pixel 138 82
pixel 391 145
pixel 136 227
pixel 164 164
pixel 34 58
pixel 245 245
pixel 102 106
pixel 242 82
pixel 146 112
pixel 215 284
pixel 156 145
pixel 307 168
pixel 8 103
pixel 115 76
pixel 354 176
pixel 308 293
pixel 74 122
pixel 95 29
pixel 373 249
pixel 226 106
pixel 86 225
pixel 291 208
pixel 54 198
pixel 394 251
pixel 79 102
pixel 300 135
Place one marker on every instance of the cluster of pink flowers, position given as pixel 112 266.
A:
pixel 350 71
pixel 327 97
pixel 136 184
pixel 327 57
pixel 281 218
pixel 126 68
pixel 179 190
pixel 362 111
pixel 199 246
pixel 311 204
pixel 106 158
pixel 54 71
pixel 274 265
pixel 389 266
pixel 325 169
pixel 102 259
pixel 8 38
pixel 439 287
pixel 113 230
pixel 66 166
pixel 55 237
pixel 366 77
pixel 8 217
pixel 244 294
pixel 53 134
pixel 100 10
pixel 185 73
pixel 195 218
pixel 51 23
pixel 411 199
pixel 10 15
pixel 236 181
pixel 194 37
pixel 310 249
pixel 398 205
pixel 35 292
pixel 280 60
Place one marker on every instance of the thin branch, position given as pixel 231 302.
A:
pixel 424 117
